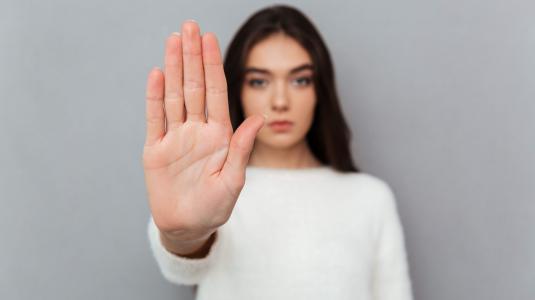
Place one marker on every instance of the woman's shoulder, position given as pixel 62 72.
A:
pixel 362 185
pixel 366 181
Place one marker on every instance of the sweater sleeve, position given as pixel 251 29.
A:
pixel 178 269
pixel 391 280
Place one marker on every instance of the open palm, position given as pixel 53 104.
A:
pixel 194 163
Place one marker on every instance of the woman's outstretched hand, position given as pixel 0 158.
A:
pixel 194 164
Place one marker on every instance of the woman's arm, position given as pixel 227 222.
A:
pixel 391 280
pixel 193 161
pixel 188 269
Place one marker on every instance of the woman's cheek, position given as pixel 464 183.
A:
pixel 306 107
pixel 254 103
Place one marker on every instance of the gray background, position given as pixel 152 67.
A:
pixel 439 95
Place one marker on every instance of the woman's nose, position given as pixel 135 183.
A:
pixel 280 99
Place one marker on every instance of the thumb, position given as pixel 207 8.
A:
pixel 241 145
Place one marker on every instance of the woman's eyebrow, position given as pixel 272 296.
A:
pixel 292 71
pixel 301 68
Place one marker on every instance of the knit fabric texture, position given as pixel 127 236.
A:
pixel 312 233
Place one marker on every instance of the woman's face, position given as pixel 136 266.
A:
pixel 278 83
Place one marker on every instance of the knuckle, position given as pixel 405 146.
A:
pixel 193 85
pixel 215 90
pixel 240 147
pixel 152 120
pixel 173 95
pixel 192 52
pixel 171 65
pixel 153 98
pixel 213 64
pixel 196 115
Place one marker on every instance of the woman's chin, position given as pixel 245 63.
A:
pixel 280 140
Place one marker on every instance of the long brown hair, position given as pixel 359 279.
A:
pixel 329 135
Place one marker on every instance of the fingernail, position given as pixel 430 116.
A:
pixel 191 20
pixel 176 33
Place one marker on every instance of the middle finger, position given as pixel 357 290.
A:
pixel 193 72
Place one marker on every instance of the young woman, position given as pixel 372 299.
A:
pixel 250 180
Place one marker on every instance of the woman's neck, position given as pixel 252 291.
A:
pixel 295 157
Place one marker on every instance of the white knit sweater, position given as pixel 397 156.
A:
pixel 301 234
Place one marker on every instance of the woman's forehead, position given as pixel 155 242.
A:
pixel 277 53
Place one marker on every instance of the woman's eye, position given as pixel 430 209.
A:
pixel 257 82
pixel 303 81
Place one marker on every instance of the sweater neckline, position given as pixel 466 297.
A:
pixel 271 170
pixel 275 169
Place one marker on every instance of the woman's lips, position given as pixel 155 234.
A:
pixel 280 126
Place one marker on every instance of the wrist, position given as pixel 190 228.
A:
pixel 191 247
